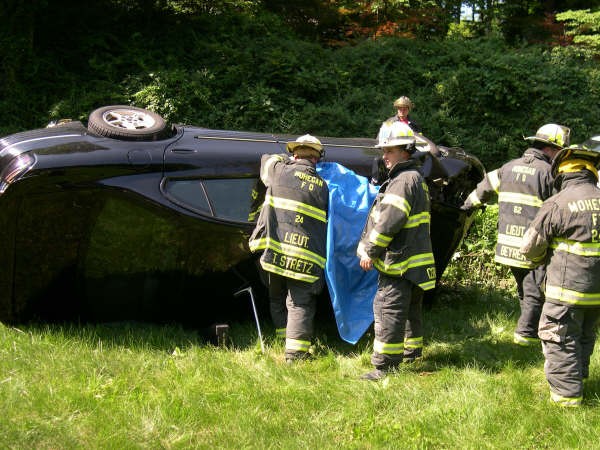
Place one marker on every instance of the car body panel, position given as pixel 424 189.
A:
pixel 98 229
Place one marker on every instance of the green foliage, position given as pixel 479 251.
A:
pixel 463 29
pixel 521 21
pixel 248 70
pixel 584 28
pixel 212 7
pixel 176 94
pixel 473 261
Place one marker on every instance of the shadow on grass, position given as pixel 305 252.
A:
pixel 591 391
pixel 473 326
pixel 464 327
pixel 129 334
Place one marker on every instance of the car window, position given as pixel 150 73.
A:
pixel 231 199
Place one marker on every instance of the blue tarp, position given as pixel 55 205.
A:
pixel 351 289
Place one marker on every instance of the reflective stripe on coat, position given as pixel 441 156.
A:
pixel 396 236
pixel 566 233
pixel 521 186
pixel 292 226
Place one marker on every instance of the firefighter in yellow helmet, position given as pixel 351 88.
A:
pixel 520 186
pixel 565 235
pixel 292 231
pixel 396 242
pixel 403 106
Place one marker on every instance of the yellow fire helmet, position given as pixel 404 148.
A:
pixel 575 158
pixel 403 102
pixel 553 134
pixel 306 142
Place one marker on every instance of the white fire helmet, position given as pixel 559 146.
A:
pixel 397 134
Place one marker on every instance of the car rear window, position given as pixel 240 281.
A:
pixel 231 199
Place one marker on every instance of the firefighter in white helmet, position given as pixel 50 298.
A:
pixel 401 119
pixel 396 242
pixel 292 231
pixel 520 186
pixel 564 235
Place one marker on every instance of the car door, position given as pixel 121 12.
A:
pixel 214 176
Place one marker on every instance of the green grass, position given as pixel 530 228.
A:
pixel 126 386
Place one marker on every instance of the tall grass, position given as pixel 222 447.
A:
pixel 132 385
pixel 143 386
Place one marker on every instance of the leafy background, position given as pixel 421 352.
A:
pixel 324 67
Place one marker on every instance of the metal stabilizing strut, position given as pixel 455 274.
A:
pixel 249 290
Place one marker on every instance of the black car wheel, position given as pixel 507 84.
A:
pixel 127 123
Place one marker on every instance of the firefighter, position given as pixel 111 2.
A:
pixel 566 235
pixel 403 106
pixel 396 242
pixel 520 186
pixel 292 231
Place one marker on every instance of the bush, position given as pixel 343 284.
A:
pixel 250 72
pixel 473 261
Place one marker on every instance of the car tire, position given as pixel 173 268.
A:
pixel 127 123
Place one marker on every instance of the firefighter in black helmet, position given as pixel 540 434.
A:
pixel 565 235
pixel 520 186
pixel 292 232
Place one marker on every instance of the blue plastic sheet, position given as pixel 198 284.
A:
pixel 351 289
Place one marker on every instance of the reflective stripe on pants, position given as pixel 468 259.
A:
pixel 397 301
pixel 301 305
pixel 568 337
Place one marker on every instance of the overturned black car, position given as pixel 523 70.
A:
pixel 130 219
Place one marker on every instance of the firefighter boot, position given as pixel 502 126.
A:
pixel 374 375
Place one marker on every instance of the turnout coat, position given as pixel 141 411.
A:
pixel 292 225
pixel 521 186
pixel 396 235
pixel 566 234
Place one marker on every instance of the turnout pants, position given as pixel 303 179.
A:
pixel 398 310
pixel 300 307
pixel 531 300
pixel 277 298
pixel 568 336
